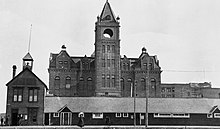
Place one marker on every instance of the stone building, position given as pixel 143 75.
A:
pixel 105 73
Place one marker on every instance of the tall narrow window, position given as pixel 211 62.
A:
pixel 122 84
pixel 113 48
pixel 113 62
pixel 143 84
pixel 145 66
pixel 108 48
pixel 103 80
pixel 68 82
pixel 113 80
pixel 33 95
pixel 150 66
pixel 103 62
pixel 124 66
pixel 18 94
pixel 89 83
pixel 57 82
pixel 108 80
pixel 153 83
pixel 103 48
pixel 108 62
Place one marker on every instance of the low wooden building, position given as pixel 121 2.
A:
pixel 120 111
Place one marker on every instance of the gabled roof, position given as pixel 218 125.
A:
pixel 213 109
pixel 107 13
pixel 106 104
pixel 60 110
pixel 23 71
pixel 28 57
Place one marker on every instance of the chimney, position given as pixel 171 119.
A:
pixel 14 70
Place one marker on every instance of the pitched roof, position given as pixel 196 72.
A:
pixel 28 57
pixel 107 13
pixel 106 104
pixel 23 71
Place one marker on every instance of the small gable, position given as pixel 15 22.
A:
pixel 64 109
pixel 214 109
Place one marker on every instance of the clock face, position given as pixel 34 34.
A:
pixel 108 33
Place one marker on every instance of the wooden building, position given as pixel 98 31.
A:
pixel 25 96
pixel 120 111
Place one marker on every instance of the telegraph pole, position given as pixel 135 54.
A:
pixel 134 86
pixel 147 91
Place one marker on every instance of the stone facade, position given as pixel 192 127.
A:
pixel 105 73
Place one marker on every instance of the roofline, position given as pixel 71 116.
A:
pixel 32 73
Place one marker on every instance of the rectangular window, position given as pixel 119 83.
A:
pixel 162 115
pixel 108 48
pixel 181 115
pixel 108 62
pixel 103 62
pixel 113 62
pixel 113 81
pixel 217 115
pixel 56 115
pixel 103 48
pixel 125 114
pixel 170 115
pixel 17 94
pixel 97 115
pixel 118 115
pixel 113 48
pixel 33 95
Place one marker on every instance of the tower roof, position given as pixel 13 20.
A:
pixel 28 57
pixel 107 13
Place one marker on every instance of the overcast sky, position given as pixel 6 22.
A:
pixel 184 34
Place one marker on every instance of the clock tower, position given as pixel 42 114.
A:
pixel 107 54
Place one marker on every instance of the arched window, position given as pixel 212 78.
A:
pixel 143 84
pixel 89 83
pixel 113 80
pixel 68 82
pixel 108 80
pixel 57 82
pixel 81 82
pixel 56 85
pixel 153 83
pixel 103 80
pixel 122 84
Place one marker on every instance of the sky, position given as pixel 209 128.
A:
pixel 184 34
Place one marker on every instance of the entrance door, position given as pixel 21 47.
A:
pixel 65 118
pixel 14 117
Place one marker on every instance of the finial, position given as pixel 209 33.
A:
pixel 63 47
pixel 106 1
pixel 118 18
pixel 144 50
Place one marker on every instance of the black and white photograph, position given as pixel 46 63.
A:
pixel 110 64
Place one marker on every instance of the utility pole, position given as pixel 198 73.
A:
pixel 134 86
pixel 147 91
